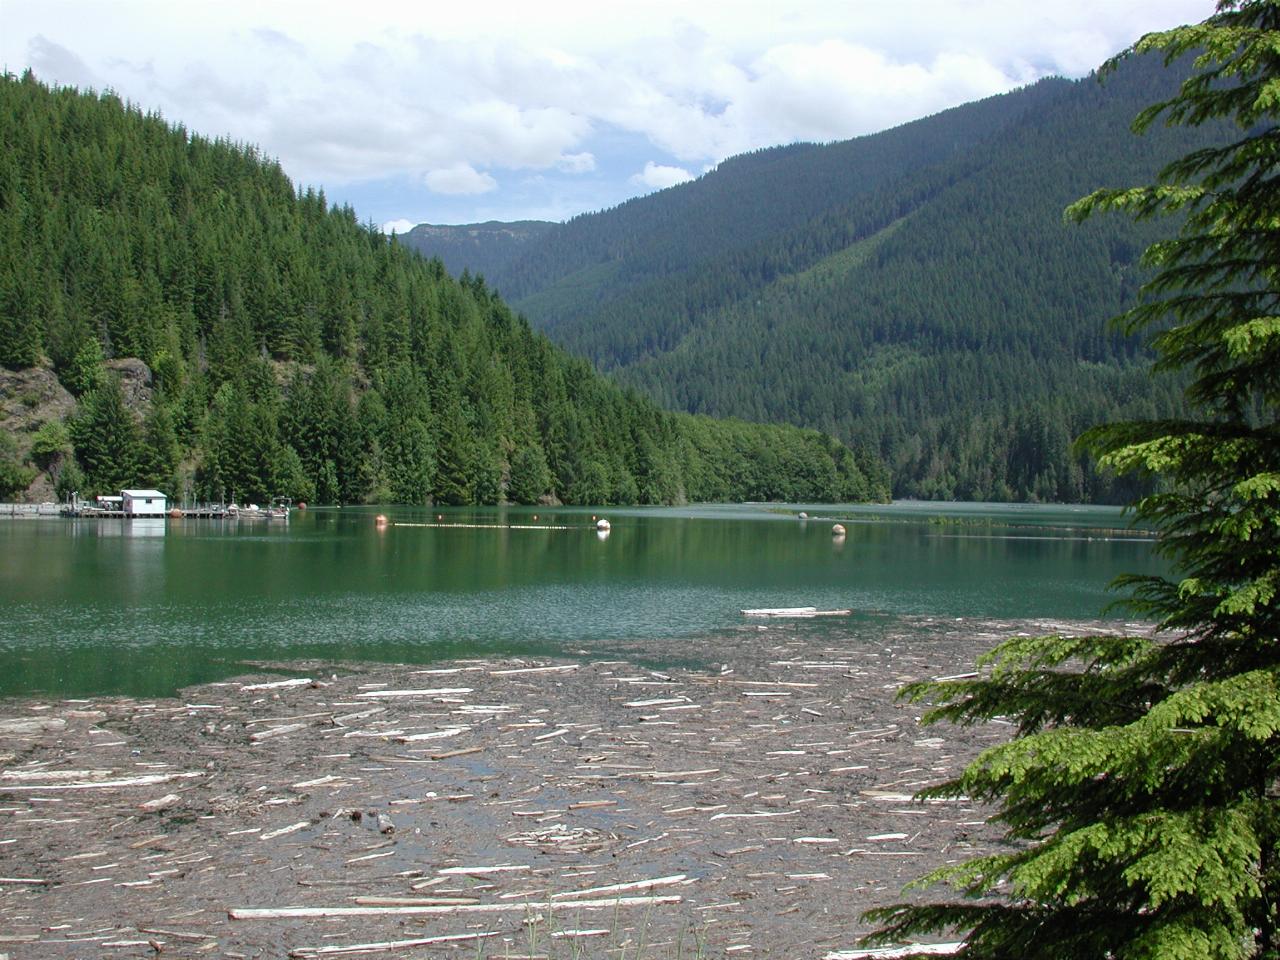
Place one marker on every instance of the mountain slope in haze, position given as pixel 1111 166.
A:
pixel 916 290
pixel 280 348
pixel 483 248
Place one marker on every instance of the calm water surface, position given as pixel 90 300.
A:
pixel 145 607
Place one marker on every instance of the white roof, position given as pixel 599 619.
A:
pixel 141 494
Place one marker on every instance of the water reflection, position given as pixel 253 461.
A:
pixel 143 606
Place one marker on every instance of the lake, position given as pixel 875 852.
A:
pixel 145 607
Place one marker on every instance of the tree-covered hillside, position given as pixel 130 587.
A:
pixel 477 248
pixel 915 291
pixel 288 350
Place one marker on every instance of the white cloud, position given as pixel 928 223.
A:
pixel 51 59
pixel 348 93
pixel 459 178
pixel 398 226
pixel 576 163
pixel 657 176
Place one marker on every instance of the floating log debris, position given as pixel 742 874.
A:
pixel 795 612
pixel 764 802
pixel 300 913
pixel 380 946
pixel 886 953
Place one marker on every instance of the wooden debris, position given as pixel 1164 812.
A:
pixel 596 797
pixel 292 828
pixel 396 694
pixel 160 803
pixel 885 953
pixel 622 887
pixel 415 901
pixel 278 684
pixel 795 612
pixel 31 726
pixel 306 913
pixel 456 753
pixel 432 735
pixel 144 781
pixel 334 950
pixel 272 732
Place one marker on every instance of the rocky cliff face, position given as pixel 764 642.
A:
pixel 28 400
pixel 136 382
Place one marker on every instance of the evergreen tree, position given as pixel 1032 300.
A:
pixel 1140 790
pixel 107 439
pixel 14 477
pixel 159 453
pixel 530 476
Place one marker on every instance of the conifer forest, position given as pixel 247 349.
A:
pixel 291 351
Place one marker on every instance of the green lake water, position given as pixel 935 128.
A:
pixel 146 607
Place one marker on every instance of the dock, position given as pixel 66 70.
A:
pixel 29 509
pixel 214 511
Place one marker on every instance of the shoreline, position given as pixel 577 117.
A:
pixel 475 808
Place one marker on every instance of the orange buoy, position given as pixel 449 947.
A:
pixel 302 504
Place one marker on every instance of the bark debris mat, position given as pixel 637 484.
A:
pixel 493 808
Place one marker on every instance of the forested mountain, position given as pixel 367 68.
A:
pixel 915 291
pixel 478 248
pixel 288 350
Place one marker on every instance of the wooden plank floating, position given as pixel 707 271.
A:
pixel 145 781
pixel 30 726
pixel 292 828
pixel 313 913
pixel 799 612
pixel 278 684
pixel 575 895
pixel 273 732
pixel 483 871
pixel 378 947
pixel 564 668
pixel 886 953
pixel 431 692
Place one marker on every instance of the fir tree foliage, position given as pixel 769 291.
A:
pixel 294 352
pixel 1141 791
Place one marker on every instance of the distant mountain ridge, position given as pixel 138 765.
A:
pixel 915 291
pixel 483 248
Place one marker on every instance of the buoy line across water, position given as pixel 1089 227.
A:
pixel 496 526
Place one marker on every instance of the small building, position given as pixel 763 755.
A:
pixel 143 503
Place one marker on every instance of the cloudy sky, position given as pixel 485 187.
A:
pixel 466 111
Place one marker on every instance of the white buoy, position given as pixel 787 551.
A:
pixel 838 530
pixel 803 515
pixel 603 524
